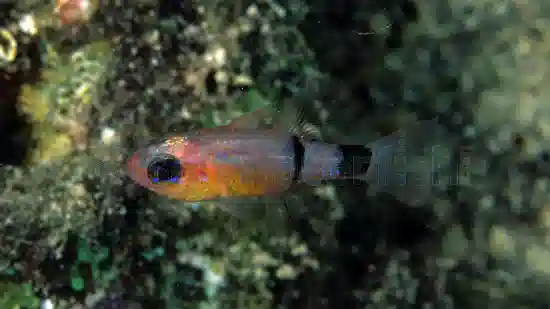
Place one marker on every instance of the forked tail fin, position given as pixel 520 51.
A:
pixel 405 163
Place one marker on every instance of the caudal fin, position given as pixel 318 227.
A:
pixel 405 163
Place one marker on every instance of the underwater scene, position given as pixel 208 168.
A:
pixel 263 154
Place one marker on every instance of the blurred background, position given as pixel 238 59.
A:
pixel 83 83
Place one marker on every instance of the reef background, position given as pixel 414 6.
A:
pixel 76 99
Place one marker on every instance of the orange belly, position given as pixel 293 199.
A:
pixel 226 181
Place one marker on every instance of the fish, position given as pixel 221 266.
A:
pixel 242 159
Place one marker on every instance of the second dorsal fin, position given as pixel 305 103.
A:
pixel 289 119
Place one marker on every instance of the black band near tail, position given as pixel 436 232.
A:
pixel 355 160
pixel 299 154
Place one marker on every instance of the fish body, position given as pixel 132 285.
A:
pixel 218 164
pixel 238 160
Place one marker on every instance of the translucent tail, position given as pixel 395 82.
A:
pixel 405 164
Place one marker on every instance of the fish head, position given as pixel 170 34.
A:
pixel 175 167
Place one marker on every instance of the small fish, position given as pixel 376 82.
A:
pixel 242 160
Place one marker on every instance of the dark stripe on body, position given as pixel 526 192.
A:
pixel 299 155
pixel 355 160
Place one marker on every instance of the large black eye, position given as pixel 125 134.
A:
pixel 164 168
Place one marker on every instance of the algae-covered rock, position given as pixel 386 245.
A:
pixel 72 232
pixel 59 106
pixel 18 296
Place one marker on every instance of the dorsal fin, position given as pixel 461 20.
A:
pixel 252 120
pixel 289 119
pixel 256 118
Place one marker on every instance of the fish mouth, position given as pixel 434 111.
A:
pixel 135 171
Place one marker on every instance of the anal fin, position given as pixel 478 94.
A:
pixel 269 213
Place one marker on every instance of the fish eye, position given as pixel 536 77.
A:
pixel 164 168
